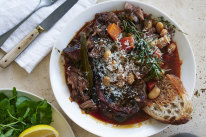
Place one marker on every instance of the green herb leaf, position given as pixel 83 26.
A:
pixel 144 51
pixel 4 105
pixel 85 66
pixel 2 96
pixel 44 110
pixel 18 113
pixel 9 133
pixel 22 104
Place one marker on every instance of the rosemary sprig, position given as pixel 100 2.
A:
pixel 144 52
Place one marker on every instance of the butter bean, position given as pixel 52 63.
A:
pixel 159 27
pixel 154 93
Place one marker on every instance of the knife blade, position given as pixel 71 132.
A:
pixel 57 14
pixel 43 26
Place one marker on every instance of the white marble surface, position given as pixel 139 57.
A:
pixel 189 14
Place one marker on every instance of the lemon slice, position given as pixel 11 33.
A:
pixel 40 131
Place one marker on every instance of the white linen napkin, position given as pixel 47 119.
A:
pixel 13 11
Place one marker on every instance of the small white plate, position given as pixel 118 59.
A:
pixel 58 121
pixel 62 94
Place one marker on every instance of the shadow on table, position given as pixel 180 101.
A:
pixel 184 135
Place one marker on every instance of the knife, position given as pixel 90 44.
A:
pixel 43 26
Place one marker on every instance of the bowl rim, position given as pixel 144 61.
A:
pixel 41 98
pixel 122 1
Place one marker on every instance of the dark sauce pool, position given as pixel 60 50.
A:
pixel 137 118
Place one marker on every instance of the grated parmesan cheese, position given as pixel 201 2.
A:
pixel 117 67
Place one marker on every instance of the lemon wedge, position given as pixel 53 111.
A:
pixel 40 131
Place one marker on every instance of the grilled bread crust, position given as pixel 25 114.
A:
pixel 173 105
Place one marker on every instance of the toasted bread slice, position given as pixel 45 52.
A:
pixel 173 105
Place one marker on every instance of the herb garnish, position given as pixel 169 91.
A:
pixel 144 52
pixel 57 49
pixel 85 66
pixel 19 113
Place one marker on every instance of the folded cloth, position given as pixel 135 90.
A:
pixel 13 11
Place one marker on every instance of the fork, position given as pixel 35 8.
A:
pixel 41 4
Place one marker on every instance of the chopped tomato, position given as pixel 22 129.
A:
pixel 127 43
pixel 151 85
pixel 114 31
pixel 157 52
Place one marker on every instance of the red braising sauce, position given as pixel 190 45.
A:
pixel 138 117
pixel 172 63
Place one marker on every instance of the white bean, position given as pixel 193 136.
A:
pixel 154 93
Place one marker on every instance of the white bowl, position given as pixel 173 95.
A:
pixel 58 121
pixel 72 109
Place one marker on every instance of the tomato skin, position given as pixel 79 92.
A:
pixel 157 52
pixel 127 43
pixel 150 85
